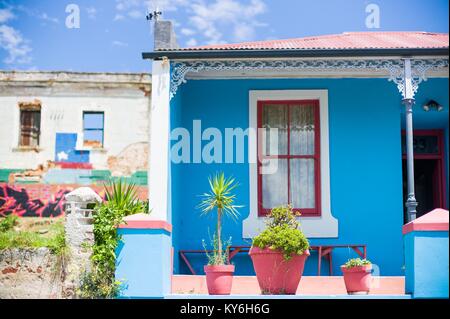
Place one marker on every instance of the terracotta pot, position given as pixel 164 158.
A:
pixel 357 279
pixel 275 275
pixel 219 279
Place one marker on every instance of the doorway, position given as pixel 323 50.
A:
pixel 429 177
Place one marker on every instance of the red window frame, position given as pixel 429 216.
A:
pixel 316 211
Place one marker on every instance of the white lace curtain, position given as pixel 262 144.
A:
pixel 296 123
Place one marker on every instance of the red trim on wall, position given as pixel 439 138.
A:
pixel 316 211
pixel 74 165
pixel 440 157
pixel 144 221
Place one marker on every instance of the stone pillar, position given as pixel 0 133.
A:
pixel 143 262
pixel 79 235
pixel 426 255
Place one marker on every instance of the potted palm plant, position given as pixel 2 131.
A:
pixel 219 273
pixel 279 253
pixel 357 276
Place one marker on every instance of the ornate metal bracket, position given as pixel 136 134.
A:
pixel 393 66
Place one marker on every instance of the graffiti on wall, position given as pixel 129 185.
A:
pixel 40 200
pixel 19 201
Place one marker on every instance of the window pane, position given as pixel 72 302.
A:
pixel 93 138
pixel 93 120
pixel 275 116
pixel 302 129
pixel 302 183
pixel 30 122
pixel 274 183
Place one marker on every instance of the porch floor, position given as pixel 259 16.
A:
pixel 193 287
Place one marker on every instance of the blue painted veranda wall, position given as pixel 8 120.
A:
pixel 365 165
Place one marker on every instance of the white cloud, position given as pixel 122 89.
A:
pixel 212 21
pixel 134 9
pixel 167 5
pixel 119 43
pixel 6 15
pixel 187 32
pixel 36 14
pixel 191 42
pixel 135 14
pixel 44 16
pixel 92 12
pixel 241 16
pixel 137 9
pixel 118 17
pixel 243 32
pixel 15 45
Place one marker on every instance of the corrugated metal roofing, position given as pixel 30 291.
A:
pixel 347 40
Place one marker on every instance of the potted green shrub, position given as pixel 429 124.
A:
pixel 357 276
pixel 219 273
pixel 279 253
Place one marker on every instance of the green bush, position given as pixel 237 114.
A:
pixel 356 262
pixel 94 285
pixel 121 201
pixel 8 223
pixel 282 233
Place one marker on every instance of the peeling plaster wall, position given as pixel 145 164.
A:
pixel 124 99
pixel 29 273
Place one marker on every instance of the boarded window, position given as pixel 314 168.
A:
pixel 93 129
pixel 30 124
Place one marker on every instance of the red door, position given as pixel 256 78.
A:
pixel 429 170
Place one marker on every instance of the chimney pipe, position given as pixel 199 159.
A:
pixel 164 36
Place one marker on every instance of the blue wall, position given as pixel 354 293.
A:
pixel 143 263
pixel 426 257
pixel 365 165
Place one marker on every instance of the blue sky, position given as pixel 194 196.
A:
pixel 113 33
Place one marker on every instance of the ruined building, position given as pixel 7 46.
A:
pixel 64 129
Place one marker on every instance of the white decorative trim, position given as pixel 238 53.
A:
pixel 392 66
pixel 325 226
pixel 158 168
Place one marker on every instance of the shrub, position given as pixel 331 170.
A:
pixel 121 201
pixel 282 233
pixel 8 223
pixel 94 285
pixel 356 262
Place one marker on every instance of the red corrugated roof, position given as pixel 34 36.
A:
pixel 346 40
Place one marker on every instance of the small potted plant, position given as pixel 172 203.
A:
pixel 279 253
pixel 219 273
pixel 357 276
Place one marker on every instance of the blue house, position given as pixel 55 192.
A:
pixel 324 123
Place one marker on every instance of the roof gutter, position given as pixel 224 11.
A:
pixel 290 53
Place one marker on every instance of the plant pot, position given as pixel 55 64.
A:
pixel 275 275
pixel 219 279
pixel 357 279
